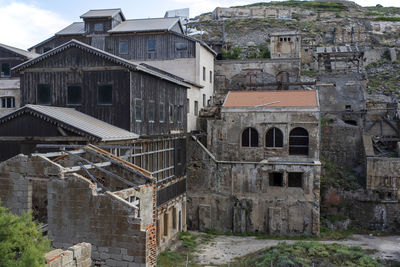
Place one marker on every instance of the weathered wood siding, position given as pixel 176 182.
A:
pixel 59 40
pixel 137 43
pixel 89 25
pixel 13 59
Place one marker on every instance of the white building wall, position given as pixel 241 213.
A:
pixel 9 87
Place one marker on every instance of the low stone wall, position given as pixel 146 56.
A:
pixel 78 255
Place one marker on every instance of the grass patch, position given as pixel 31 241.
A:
pixel 384 18
pixel 307 254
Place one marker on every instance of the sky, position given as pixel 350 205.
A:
pixel 28 22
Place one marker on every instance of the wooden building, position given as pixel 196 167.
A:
pixel 9 83
pixel 160 42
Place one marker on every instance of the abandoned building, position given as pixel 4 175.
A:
pixel 86 193
pixel 340 58
pixel 221 13
pixel 263 169
pixel 160 42
pixel 285 44
pixel 9 83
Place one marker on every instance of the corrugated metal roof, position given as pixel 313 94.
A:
pixel 145 25
pixel 292 98
pixel 9 84
pixel 74 121
pixel 118 60
pixel 18 51
pixel 74 28
pixel 339 49
pixel 101 13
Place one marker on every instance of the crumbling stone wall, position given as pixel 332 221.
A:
pixel 75 256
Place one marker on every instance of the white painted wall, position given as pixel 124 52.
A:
pixel 9 87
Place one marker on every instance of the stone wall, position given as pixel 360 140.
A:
pixel 75 256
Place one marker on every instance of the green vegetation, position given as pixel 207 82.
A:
pixel 316 5
pixel 233 53
pixel 333 176
pixel 384 77
pixel 309 73
pixel 383 18
pixel 261 52
pixel 20 243
pixel 307 254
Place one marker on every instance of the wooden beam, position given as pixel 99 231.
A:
pixel 60 153
pixel 45 138
pixel 88 167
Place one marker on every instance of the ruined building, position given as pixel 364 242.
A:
pixel 260 169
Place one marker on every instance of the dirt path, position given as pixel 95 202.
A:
pixel 223 249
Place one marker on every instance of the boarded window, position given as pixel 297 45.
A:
pixel 162 112
pixel 274 138
pixel 74 95
pixel 138 109
pixel 105 95
pixel 181 46
pixel 98 27
pixel 5 70
pixel 295 179
pixel 43 94
pixel 7 102
pixel 151 45
pixel 196 108
pixel 123 47
pixel 250 138
pixel 276 179
pixel 151 111
pixel 298 141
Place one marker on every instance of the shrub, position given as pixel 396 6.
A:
pixel 233 53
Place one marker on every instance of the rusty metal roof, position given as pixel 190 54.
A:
pixel 74 121
pixel 285 98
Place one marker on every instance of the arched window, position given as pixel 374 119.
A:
pixel 298 141
pixel 250 137
pixel 274 138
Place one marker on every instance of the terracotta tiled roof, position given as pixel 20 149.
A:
pixel 294 98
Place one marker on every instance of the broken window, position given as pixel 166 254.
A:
pixel 105 94
pixel 151 111
pixel 181 46
pixel 74 95
pixel 161 112
pixel 123 47
pixel 274 138
pixel 298 142
pixel 43 94
pixel 295 179
pixel 276 179
pixel 138 109
pixel 5 70
pixel 151 45
pixel 8 102
pixel 351 122
pixel 98 27
pixel 250 138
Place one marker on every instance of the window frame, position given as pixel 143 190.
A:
pixel 171 113
pixel 127 47
pixel 68 94
pixel 196 108
pixel 136 109
pixel 9 70
pixel 4 102
pixel 37 94
pixel 251 131
pixel 161 112
pixel 95 29
pixel 274 136
pixel 271 175
pixel 148 46
pixel 292 146
pixel 152 108
pixel 204 73
pixel 289 174
pixel 211 76
pixel 180 49
pixel 98 94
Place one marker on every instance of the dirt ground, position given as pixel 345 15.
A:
pixel 223 249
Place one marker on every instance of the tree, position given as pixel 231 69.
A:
pixel 21 244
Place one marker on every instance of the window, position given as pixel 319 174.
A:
pixel 181 46
pixel 295 179
pixel 348 107
pixel 276 179
pixel 7 102
pixel 196 108
pixel 46 49
pixel 43 94
pixel 288 39
pixel 171 113
pixel 161 112
pixel 174 217
pixel 180 113
pixel 123 47
pixel 298 142
pixel 138 109
pixel 274 138
pixel 204 100
pixel 165 224
pixel 211 76
pixel 281 39
pixel 5 70
pixel 104 96
pixel 74 95
pixel 204 73
pixel 151 111
pixel 250 138
pixel 151 45
pixel 187 105
pixel 98 27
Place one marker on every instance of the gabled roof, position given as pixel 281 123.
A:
pixel 75 28
pixel 286 98
pixel 146 25
pixel 103 13
pixel 20 52
pixel 74 121
pixel 90 49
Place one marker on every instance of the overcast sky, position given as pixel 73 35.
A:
pixel 28 22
